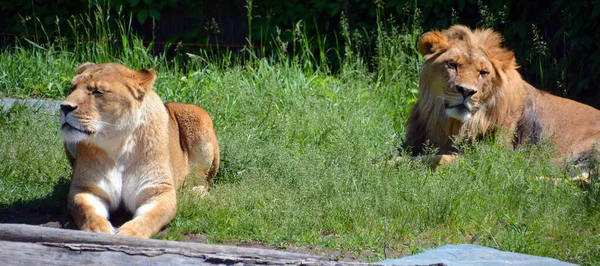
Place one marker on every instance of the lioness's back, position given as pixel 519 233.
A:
pixel 196 136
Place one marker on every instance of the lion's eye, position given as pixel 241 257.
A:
pixel 483 73
pixel 97 93
pixel 451 65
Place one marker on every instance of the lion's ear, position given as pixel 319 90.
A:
pixel 83 67
pixel 500 56
pixel 432 42
pixel 146 78
pixel 504 59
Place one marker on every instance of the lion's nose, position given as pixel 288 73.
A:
pixel 67 108
pixel 465 91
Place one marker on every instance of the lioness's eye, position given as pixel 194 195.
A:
pixel 96 93
pixel 483 73
pixel 451 65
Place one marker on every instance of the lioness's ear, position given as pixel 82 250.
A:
pixel 432 42
pixel 146 78
pixel 83 67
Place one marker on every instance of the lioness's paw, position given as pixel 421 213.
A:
pixel 98 226
pixel 127 229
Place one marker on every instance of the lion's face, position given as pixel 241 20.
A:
pixel 463 77
pixel 459 74
pixel 103 102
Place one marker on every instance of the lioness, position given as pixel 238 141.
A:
pixel 129 150
pixel 470 87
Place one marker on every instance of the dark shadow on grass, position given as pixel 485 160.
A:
pixel 50 211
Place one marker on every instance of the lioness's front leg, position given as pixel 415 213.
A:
pixel 157 206
pixel 90 212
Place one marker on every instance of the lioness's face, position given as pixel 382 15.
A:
pixel 465 75
pixel 103 101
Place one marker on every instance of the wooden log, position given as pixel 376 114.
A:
pixel 34 245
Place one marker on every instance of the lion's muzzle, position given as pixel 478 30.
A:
pixel 466 91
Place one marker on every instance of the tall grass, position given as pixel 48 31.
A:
pixel 300 144
pixel 44 69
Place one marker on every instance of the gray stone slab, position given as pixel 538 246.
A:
pixel 468 255
pixel 43 105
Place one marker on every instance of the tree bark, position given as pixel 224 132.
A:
pixel 34 245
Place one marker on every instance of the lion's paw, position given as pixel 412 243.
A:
pixel 201 191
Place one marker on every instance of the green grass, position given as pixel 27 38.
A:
pixel 34 171
pixel 298 151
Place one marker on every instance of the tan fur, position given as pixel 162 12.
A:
pixel 459 58
pixel 129 150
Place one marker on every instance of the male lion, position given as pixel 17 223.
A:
pixel 470 87
pixel 129 150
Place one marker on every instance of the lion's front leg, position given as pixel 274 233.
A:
pixel 438 160
pixel 90 212
pixel 158 207
pixel 432 160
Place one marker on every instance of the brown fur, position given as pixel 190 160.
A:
pixel 459 58
pixel 129 150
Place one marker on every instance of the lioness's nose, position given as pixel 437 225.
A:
pixel 67 108
pixel 465 91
